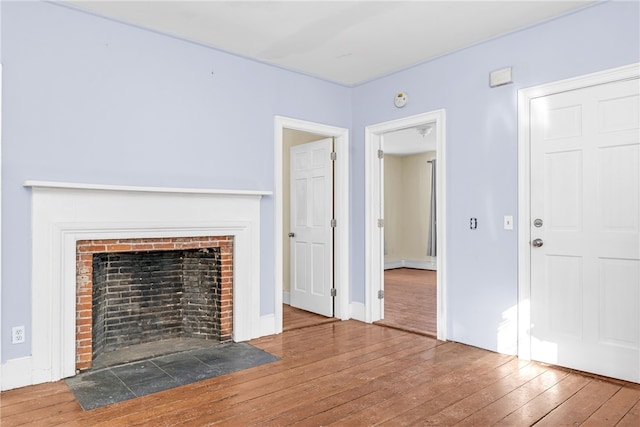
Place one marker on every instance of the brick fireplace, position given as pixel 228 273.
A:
pixel 66 216
pixel 151 289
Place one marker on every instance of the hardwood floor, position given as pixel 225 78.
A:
pixel 410 300
pixel 354 374
pixel 294 318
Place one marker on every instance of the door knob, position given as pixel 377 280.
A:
pixel 537 243
pixel 292 234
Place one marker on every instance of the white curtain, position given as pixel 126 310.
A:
pixel 431 237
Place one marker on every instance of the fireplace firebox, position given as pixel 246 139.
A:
pixel 137 291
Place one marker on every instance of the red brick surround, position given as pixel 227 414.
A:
pixel 84 281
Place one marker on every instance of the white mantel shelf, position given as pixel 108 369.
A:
pixel 78 186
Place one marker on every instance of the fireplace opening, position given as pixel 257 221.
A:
pixel 142 297
pixel 174 295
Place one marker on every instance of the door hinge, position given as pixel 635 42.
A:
pixel 334 156
pixel 334 223
pixel 334 292
pixel 380 223
pixel 380 294
pixel 380 154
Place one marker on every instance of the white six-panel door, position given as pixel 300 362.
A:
pixel 585 221
pixel 311 233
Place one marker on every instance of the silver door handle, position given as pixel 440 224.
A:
pixel 537 243
pixel 292 234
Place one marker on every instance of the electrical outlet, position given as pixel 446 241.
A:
pixel 473 223
pixel 17 335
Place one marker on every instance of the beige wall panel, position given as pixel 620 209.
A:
pixel 393 205
pixel 407 198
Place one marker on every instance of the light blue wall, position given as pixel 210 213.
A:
pixel 90 100
pixel 482 148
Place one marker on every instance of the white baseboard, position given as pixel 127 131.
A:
pixel 286 297
pixel 357 310
pixel 389 265
pixel 267 325
pixel 404 263
pixel 17 373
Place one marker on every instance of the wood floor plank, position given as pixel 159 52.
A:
pixel 424 387
pixel 631 418
pixel 25 394
pixel 338 402
pixel 439 392
pixel 544 403
pixel 502 407
pixel 580 406
pixel 482 398
pixel 614 409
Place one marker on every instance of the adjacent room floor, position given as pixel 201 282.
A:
pixel 410 300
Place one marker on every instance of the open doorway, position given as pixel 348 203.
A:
pixel 409 232
pixel 290 135
pixel 308 189
pixel 377 139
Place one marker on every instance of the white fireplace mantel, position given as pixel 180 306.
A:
pixel 63 213
pixel 138 189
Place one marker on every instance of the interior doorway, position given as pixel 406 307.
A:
pixel 409 233
pixel 377 143
pixel 292 132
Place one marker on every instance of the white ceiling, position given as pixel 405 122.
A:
pixel 347 42
pixel 409 141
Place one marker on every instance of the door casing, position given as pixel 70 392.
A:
pixel 341 210
pixel 524 180
pixel 373 203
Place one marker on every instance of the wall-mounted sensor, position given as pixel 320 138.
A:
pixel 400 99
pixel 500 77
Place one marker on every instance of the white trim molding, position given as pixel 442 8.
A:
pixel 525 96
pixel 134 189
pixel 341 211
pixel 1 328
pixel 64 214
pixel 408 263
pixel 374 258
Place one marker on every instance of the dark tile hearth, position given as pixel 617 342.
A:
pixel 106 385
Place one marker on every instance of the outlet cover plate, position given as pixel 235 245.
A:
pixel 17 335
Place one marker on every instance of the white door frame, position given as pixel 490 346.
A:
pixel 1 214
pixel 373 203
pixel 524 195
pixel 341 209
